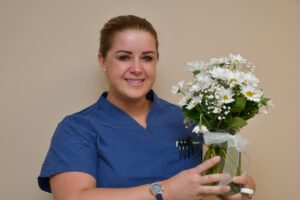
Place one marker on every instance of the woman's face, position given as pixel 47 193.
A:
pixel 130 65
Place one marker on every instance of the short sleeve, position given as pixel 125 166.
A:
pixel 72 149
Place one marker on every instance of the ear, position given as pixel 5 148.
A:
pixel 101 61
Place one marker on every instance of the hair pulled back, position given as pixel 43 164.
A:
pixel 121 23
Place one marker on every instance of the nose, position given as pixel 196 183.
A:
pixel 136 66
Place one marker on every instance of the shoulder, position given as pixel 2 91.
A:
pixel 168 112
pixel 163 103
pixel 168 106
pixel 83 116
pixel 77 125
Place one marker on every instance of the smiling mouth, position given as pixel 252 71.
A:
pixel 135 81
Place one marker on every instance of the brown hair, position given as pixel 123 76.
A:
pixel 120 23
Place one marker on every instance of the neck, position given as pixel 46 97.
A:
pixel 137 109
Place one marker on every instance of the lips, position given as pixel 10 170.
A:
pixel 134 82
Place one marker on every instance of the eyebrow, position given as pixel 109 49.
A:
pixel 129 52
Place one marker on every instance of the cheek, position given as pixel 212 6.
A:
pixel 154 73
pixel 151 70
pixel 114 70
pixel 113 74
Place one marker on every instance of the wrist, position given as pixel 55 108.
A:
pixel 156 189
pixel 159 190
pixel 166 193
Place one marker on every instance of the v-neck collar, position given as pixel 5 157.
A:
pixel 115 115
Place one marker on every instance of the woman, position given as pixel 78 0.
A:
pixel 123 146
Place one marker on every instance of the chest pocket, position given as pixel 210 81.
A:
pixel 181 156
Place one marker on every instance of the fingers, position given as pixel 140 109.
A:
pixel 207 164
pixel 214 190
pixel 237 196
pixel 245 180
pixel 212 178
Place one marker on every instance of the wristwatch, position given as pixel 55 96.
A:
pixel 156 190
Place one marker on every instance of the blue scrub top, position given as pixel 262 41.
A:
pixel 105 142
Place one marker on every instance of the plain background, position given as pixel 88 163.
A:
pixel 48 69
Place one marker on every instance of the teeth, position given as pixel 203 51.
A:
pixel 134 80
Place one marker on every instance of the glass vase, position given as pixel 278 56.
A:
pixel 213 150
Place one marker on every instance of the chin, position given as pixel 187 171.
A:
pixel 136 94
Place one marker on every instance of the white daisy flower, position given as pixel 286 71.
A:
pixel 194 102
pixel 226 96
pixel 196 129
pixel 234 78
pixel 196 66
pixel 204 80
pixel 177 88
pixel 237 58
pixel 218 61
pixel 174 89
pixel 250 79
pixel 251 93
pixel 200 129
pixel 183 101
pixel 196 87
pixel 219 73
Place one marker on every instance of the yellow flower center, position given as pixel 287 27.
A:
pixel 233 80
pixel 225 97
pixel 249 93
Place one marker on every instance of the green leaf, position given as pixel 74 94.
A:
pixel 236 123
pixel 196 72
pixel 264 100
pixel 191 114
pixel 239 104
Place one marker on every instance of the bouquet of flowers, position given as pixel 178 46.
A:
pixel 219 100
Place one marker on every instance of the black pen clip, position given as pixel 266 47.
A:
pixel 185 148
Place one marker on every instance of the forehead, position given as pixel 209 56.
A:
pixel 134 40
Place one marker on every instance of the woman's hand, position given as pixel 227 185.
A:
pixel 192 185
pixel 247 182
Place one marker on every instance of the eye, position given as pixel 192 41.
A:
pixel 124 57
pixel 148 58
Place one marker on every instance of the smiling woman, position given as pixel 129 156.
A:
pixel 130 66
pixel 123 146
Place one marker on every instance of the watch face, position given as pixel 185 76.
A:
pixel 156 188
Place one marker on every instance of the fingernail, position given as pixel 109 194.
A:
pixel 228 188
pixel 218 157
pixel 234 179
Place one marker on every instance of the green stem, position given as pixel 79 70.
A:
pixel 200 118
pixel 221 150
pixel 219 124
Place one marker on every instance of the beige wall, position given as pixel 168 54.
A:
pixel 48 69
